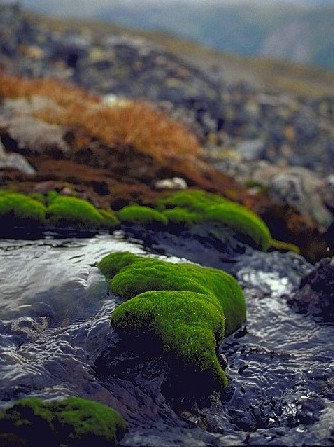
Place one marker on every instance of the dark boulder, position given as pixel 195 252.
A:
pixel 316 292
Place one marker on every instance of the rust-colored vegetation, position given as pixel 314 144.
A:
pixel 118 152
pixel 136 124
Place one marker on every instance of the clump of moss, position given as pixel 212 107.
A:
pixel 19 209
pixel 199 206
pixel 16 208
pixel 69 422
pixel 187 307
pixel 64 210
pixel 141 214
pixel 181 216
pixel 284 246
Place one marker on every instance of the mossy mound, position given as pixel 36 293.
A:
pixel 188 308
pixel 20 209
pixel 141 214
pixel 189 207
pixel 69 422
pixel 64 210
pixel 56 210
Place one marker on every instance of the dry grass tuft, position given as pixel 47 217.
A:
pixel 136 124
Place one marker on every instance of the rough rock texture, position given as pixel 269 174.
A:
pixel 35 136
pixel 308 192
pixel 14 161
pixel 316 292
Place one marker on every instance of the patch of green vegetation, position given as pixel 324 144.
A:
pixel 65 210
pixel 187 307
pixel 251 183
pixel 16 208
pixel 210 207
pixel 181 216
pixel 141 214
pixel 284 246
pixel 69 422
pixel 54 209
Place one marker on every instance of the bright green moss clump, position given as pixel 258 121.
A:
pixel 141 214
pixel 187 307
pixel 199 206
pixel 20 208
pixel 65 210
pixel 70 422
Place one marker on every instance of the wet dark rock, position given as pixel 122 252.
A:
pixel 316 292
pixel 208 243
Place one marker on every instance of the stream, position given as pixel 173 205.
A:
pixel 55 332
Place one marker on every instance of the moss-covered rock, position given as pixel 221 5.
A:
pixel 69 422
pixel 141 214
pixel 193 206
pixel 188 308
pixel 64 210
pixel 16 208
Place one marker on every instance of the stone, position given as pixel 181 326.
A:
pixel 14 161
pixel 300 188
pixel 35 136
pixel 251 149
pixel 171 183
pixel 316 292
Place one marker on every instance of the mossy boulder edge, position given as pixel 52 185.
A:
pixel 71 422
pixel 191 207
pixel 188 308
pixel 198 206
pixel 53 210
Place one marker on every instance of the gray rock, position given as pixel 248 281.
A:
pixel 301 189
pixel 35 136
pixel 251 149
pixel 14 161
pixel 316 292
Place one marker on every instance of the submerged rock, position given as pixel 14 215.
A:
pixel 72 422
pixel 179 311
pixel 316 292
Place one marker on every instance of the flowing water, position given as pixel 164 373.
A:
pixel 55 332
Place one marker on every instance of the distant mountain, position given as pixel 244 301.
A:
pixel 295 30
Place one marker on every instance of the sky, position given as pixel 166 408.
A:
pixel 86 8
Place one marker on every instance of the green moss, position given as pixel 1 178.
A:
pixel 109 219
pixel 54 209
pixel 187 323
pixel 243 221
pixel 181 216
pixel 188 307
pixel 284 246
pixel 70 422
pixel 17 208
pixel 202 206
pixel 194 200
pixel 64 210
pixel 141 214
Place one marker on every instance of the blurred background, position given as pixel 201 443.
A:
pixel 301 31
